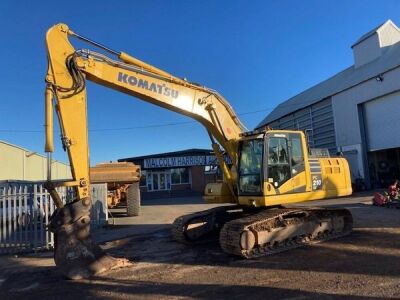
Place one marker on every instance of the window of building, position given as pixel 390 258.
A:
pixel 149 181
pixel 158 180
pixel 143 178
pixel 212 169
pixel 180 176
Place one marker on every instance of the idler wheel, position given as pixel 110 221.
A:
pixel 247 240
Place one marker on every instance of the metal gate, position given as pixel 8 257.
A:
pixel 25 209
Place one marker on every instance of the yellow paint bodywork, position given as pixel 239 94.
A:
pixel 217 192
pixel 71 110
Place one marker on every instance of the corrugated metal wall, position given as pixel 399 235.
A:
pixel 316 121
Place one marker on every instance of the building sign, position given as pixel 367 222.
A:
pixel 181 161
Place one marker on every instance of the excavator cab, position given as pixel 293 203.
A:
pixel 276 167
pixel 268 162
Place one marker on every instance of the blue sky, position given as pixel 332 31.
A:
pixel 256 53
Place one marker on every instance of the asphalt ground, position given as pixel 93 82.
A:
pixel 363 265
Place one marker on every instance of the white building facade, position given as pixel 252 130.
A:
pixel 357 111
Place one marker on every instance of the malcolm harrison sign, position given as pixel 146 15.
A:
pixel 181 161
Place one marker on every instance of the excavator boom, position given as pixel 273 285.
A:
pixel 68 70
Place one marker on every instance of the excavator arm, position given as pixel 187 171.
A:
pixel 68 70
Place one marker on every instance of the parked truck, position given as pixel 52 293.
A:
pixel 122 180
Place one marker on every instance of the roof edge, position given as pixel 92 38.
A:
pixel 34 152
pixel 373 31
pixel 178 152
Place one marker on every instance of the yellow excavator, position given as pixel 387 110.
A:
pixel 268 167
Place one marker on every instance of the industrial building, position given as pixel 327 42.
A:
pixel 21 164
pixel 355 112
pixel 179 173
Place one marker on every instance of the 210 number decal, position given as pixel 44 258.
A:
pixel 316 182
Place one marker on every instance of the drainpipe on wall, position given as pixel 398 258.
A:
pixel 364 146
pixel 23 164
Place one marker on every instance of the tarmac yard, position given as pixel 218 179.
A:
pixel 363 265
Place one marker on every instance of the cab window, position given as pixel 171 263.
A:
pixel 278 161
pixel 296 154
pixel 250 166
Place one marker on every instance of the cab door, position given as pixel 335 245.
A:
pixel 297 163
pixel 285 162
pixel 278 163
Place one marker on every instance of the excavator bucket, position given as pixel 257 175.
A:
pixel 76 254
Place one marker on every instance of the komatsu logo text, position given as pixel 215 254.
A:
pixel 161 89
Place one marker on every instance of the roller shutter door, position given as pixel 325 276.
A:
pixel 382 122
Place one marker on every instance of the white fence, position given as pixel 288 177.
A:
pixel 25 210
pixel 99 212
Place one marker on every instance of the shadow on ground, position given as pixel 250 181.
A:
pixel 105 288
